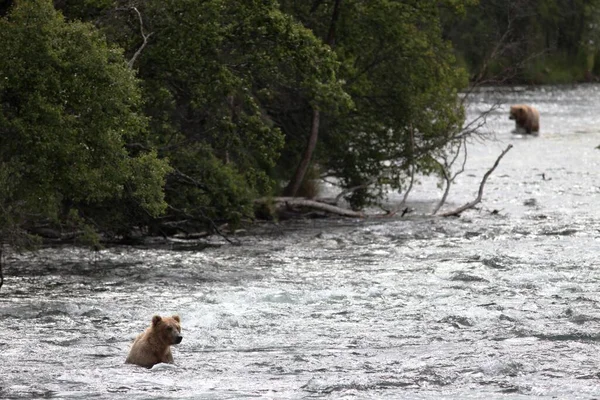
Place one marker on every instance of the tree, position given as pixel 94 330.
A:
pixel 298 177
pixel 403 81
pixel 214 73
pixel 68 106
pixel 531 41
pixel 246 98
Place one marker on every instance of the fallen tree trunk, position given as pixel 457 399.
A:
pixel 317 205
pixel 473 203
pixel 313 204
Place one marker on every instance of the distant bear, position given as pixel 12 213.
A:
pixel 153 346
pixel 526 118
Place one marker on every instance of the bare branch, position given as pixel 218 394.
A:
pixel 477 123
pixel 499 48
pixel 204 218
pixel 473 203
pixel 446 191
pixel 446 168
pixel 354 189
pixel 413 167
pixel 186 178
pixel 413 170
pixel 144 36
pixel 464 163
pixel 507 73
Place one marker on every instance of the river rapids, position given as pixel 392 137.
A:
pixel 502 302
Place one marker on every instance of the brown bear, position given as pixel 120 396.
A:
pixel 153 346
pixel 527 118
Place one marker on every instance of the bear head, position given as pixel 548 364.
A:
pixel 518 113
pixel 167 329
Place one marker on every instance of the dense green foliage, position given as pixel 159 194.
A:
pixel 403 81
pixel 213 74
pixel 68 104
pixel 531 41
pixel 208 105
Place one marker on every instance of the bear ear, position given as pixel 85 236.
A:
pixel 156 319
pixel 176 318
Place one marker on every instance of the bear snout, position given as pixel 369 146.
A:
pixel 178 339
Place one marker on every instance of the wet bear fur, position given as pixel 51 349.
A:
pixel 153 346
pixel 527 118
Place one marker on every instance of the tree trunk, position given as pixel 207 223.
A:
pixel 294 185
pixel 334 18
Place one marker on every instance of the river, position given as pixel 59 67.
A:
pixel 500 303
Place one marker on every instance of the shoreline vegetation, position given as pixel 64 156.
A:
pixel 121 118
pixel 527 42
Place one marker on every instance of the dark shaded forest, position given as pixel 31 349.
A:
pixel 122 118
pixel 528 41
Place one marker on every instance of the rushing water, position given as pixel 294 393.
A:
pixel 501 303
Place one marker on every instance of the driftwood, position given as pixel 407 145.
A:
pixel 477 200
pixel 54 234
pixel 317 205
